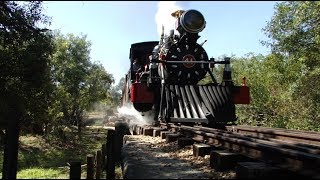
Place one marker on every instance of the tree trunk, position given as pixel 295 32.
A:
pixel 79 121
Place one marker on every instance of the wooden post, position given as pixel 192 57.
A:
pixel 98 167
pixel 121 129
pixel 103 156
pixel 110 169
pixel 75 170
pixel 90 166
pixel 10 160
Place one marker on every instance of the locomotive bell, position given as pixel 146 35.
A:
pixel 191 21
pixel 177 13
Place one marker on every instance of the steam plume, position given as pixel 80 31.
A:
pixel 163 15
pixel 129 112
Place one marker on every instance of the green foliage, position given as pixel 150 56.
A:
pixel 294 31
pixel 272 80
pixel 46 77
pixel 116 93
pixel 79 83
pixel 24 66
pixel 43 173
pixel 284 85
pixel 257 79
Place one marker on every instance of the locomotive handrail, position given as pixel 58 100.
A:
pixel 171 62
pixel 198 62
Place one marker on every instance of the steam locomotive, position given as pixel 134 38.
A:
pixel 168 81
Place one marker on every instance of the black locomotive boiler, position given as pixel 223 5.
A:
pixel 168 79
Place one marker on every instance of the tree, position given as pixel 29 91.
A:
pixel 294 31
pixel 116 92
pixel 24 67
pixel 79 83
pixel 24 74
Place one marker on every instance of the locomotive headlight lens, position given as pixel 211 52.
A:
pixel 192 21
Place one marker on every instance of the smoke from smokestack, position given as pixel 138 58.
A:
pixel 163 15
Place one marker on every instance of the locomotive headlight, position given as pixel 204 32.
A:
pixel 192 21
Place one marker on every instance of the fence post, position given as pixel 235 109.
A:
pixel 98 168
pixel 75 170
pixel 110 169
pixel 103 154
pixel 90 166
pixel 11 148
pixel 121 129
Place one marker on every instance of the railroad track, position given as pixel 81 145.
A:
pixel 295 151
pixel 302 137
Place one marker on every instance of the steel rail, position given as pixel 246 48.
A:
pixel 293 160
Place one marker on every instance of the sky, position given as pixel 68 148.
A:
pixel 232 27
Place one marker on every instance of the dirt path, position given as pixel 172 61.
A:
pixel 152 158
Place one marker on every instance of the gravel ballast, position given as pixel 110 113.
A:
pixel 146 157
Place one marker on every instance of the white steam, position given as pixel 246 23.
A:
pixel 163 15
pixel 136 117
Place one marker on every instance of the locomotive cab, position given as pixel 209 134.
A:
pixel 140 95
pixel 140 52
